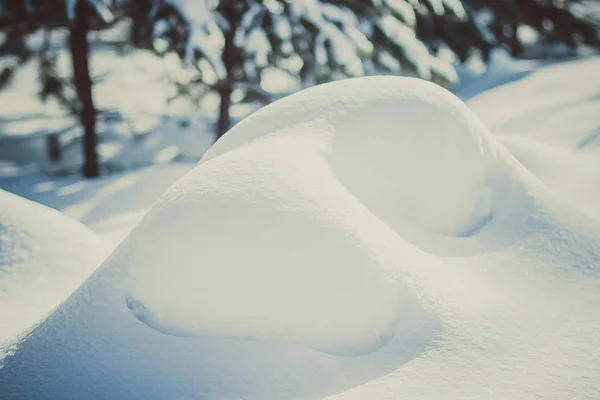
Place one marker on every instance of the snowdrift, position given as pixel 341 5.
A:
pixel 110 206
pixel 363 239
pixel 44 258
pixel 556 135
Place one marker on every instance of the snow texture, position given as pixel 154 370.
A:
pixel 364 239
pixel 44 257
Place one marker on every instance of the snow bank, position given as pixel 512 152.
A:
pixel 110 205
pixel 550 121
pixel 500 69
pixel 367 237
pixel 44 257
pixel 571 97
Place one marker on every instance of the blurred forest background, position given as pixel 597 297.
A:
pixel 102 85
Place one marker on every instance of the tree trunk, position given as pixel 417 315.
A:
pixel 226 87
pixel 516 48
pixel 141 32
pixel 79 46
pixel 224 117
pixel 53 147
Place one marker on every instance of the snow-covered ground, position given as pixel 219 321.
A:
pixel 369 239
pixel 142 120
pixel 44 257
pixel 111 206
pixel 550 121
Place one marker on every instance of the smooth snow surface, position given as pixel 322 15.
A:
pixel 550 121
pixel 364 239
pixel 110 205
pixel 44 257
pixel 302 208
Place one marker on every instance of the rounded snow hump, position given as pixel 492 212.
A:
pixel 44 257
pixel 365 238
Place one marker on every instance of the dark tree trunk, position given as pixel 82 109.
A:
pixel 53 147
pixel 224 117
pixel 226 88
pixel 141 31
pixel 516 48
pixel 79 46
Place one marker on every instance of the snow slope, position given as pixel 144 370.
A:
pixel 364 239
pixel 110 206
pixel 550 121
pixel 500 69
pixel 44 257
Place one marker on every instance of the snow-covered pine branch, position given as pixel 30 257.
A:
pixel 332 39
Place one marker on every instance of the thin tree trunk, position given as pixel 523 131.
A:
pixel 224 117
pixel 79 46
pixel 226 88
pixel 53 147
pixel 141 34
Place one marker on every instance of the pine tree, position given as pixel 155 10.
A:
pixel 569 22
pixel 232 41
pixel 317 40
pixel 78 43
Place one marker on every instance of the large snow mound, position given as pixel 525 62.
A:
pixel 367 238
pixel 44 257
pixel 312 208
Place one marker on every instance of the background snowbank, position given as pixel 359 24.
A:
pixel 550 121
